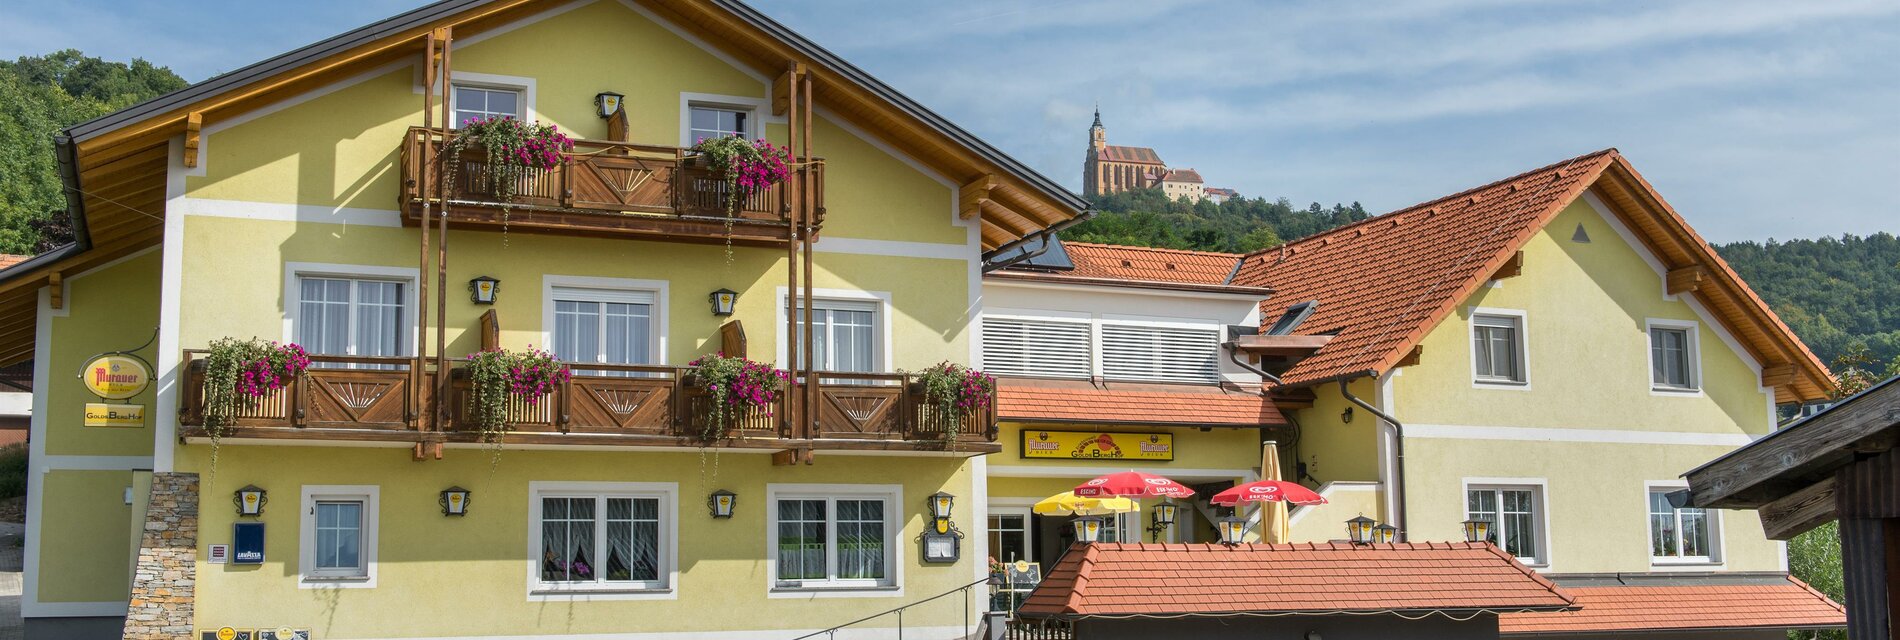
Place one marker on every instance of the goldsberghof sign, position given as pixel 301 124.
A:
pixel 100 414
pixel 1098 445
pixel 115 377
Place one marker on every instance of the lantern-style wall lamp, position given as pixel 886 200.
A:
pixel 1088 529
pixel 1160 518
pixel 1359 530
pixel 454 501
pixel 249 501
pixel 720 503
pixel 607 103
pixel 1477 530
pixel 1233 531
pixel 1384 534
pixel 723 301
pixel 941 542
pixel 482 290
pixel 940 504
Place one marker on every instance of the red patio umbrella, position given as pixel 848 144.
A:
pixel 1268 491
pixel 1133 484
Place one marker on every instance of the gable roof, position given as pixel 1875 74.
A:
pixel 1182 175
pixel 1137 155
pixel 1383 283
pixel 1134 579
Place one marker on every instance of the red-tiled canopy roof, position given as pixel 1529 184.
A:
pixel 10 259
pixel 1134 579
pixel 1080 401
pixel 1138 155
pixel 1150 264
pixel 1782 603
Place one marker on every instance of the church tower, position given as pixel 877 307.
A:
pixel 1098 137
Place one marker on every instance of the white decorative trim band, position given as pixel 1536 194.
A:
pixel 1601 436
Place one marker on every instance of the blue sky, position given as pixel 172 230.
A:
pixel 1755 118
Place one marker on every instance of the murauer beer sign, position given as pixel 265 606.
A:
pixel 115 377
pixel 1097 445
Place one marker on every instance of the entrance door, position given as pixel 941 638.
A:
pixel 1011 537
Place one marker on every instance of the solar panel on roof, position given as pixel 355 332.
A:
pixel 1055 259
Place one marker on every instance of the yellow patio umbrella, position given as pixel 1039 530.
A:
pixel 1068 504
pixel 1274 523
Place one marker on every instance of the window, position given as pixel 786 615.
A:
pixel 351 316
pixel 338 536
pixel 617 326
pixel 482 102
pixel 844 336
pixel 834 538
pixel 1672 358
pixel 1046 348
pixel 1170 354
pixel 1009 536
pixel 1678 535
pixel 717 122
pixel 1498 348
pixel 603 537
pixel 1515 516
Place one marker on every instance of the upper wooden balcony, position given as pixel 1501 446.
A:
pixel 350 398
pixel 614 189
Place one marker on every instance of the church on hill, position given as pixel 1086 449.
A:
pixel 1113 169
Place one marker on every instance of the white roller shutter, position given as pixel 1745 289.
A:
pixel 1045 348
pixel 1145 352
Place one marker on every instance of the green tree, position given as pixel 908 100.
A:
pixel 1149 218
pixel 43 94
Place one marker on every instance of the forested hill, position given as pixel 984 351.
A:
pixel 39 95
pixel 1841 295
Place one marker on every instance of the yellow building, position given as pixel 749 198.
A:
pixel 295 201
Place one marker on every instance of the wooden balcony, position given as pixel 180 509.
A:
pixel 612 189
pixel 361 398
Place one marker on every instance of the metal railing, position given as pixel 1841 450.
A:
pixel 965 590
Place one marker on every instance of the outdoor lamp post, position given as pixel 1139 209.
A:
pixel 249 500
pixel 1359 530
pixel 1477 530
pixel 1162 517
pixel 454 501
pixel 1233 530
pixel 723 301
pixel 1384 534
pixel 482 290
pixel 607 103
pixel 720 503
pixel 1087 529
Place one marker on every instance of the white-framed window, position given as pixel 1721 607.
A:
pixel 337 536
pixel 1674 361
pixel 607 320
pixel 845 335
pixel 1688 535
pixel 838 537
pixel 1516 514
pixel 1160 352
pixel 1498 348
pixel 603 537
pixel 471 101
pixel 1041 347
pixel 706 121
pixel 1011 538
pixel 354 310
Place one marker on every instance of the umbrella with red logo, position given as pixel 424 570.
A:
pixel 1268 491
pixel 1133 484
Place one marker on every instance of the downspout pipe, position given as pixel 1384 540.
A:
pixel 1233 355
pixel 1398 448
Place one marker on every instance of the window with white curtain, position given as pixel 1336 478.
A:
pixel 594 539
pixel 351 316
pixel 1679 535
pixel 834 540
pixel 602 325
pixel 845 336
pixel 1516 517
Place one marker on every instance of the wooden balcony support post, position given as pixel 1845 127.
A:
pixel 442 404
pixel 792 310
pixel 805 219
pixel 426 164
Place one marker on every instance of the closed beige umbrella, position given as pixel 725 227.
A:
pixel 1275 526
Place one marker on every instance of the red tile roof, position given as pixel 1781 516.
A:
pixel 1183 175
pixel 1138 155
pixel 1149 264
pixel 1081 401
pixel 1108 579
pixel 1385 281
pixel 1780 604
pixel 1222 191
pixel 10 259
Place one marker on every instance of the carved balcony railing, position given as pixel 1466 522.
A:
pixel 609 189
pixel 359 393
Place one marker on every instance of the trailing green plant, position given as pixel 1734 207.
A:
pixel 745 167
pixel 238 372
pixel 499 376
pixel 737 387
pixel 954 392
pixel 515 149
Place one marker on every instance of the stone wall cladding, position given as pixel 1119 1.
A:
pixel 166 578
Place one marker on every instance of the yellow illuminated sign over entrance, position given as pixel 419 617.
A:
pixel 1098 445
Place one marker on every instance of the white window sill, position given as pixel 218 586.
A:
pixel 1684 562
pixel 1510 385
pixel 336 582
pixel 602 592
pixel 1686 392
pixel 836 591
